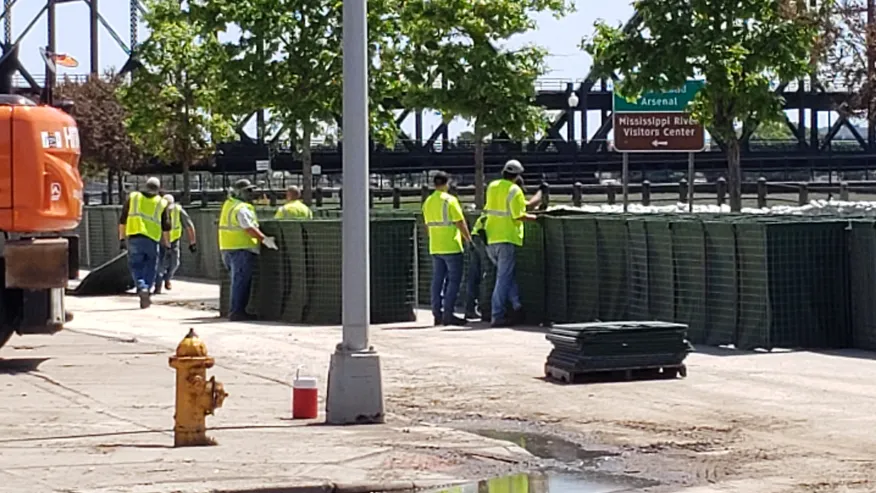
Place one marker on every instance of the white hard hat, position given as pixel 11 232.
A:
pixel 513 166
pixel 153 183
pixel 169 199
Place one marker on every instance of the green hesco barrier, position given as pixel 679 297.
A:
pixel 689 248
pixel 296 294
pixel 530 277
pixel 639 286
pixel 555 269
pixel 862 245
pixel 721 304
pixel 270 291
pixel 661 276
pixel 582 268
pixel 613 260
pixel 793 284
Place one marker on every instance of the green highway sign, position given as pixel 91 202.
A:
pixel 660 102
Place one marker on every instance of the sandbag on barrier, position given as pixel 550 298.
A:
pixel 111 278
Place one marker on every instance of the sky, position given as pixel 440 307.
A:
pixel 560 38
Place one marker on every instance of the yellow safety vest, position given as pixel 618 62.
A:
pixel 232 236
pixel 444 236
pixel 505 203
pixel 175 224
pixel 295 209
pixel 479 224
pixel 144 216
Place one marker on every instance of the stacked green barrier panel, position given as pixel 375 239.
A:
pixel 555 269
pixel 753 322
pixel 638 269
pixel 224 292
pixel 613 258
pixel 689 251
pixel 323 247
pixel 661 275
pixel 722 302
pixel 808 264
pixel 393 246
pixel 295 264
pixel 530 277
pixel 531 273
pixel 862 245
pixel 582 268
pixel 269 288
pixel 424 265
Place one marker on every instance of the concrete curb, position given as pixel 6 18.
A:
pixel 377 487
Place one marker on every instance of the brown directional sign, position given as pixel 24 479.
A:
pixel 657 132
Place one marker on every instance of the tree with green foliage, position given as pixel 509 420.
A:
pixel 740 48
pixel 455 63
pixel 176 112
pixel 288 60
pixel 101 117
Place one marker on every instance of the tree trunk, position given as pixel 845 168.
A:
pixel 186 158
pixel 479 167
pixel 734 178
pixel 306 166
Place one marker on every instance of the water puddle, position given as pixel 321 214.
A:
pixel 539 483
pixel 549 447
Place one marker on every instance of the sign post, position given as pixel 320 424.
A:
pixel 658 122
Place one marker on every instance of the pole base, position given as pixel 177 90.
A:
pixel 355 389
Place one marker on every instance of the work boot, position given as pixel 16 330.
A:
pixel 145 301
pixel 500 324
pixel 167 285
pixel 157 289
pixel 241 317
pixel 454 320
pixel 436 321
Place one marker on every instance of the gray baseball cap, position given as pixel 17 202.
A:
pixel 243 184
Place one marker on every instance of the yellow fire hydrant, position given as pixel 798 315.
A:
pixel 196 397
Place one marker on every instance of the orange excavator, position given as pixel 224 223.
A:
pixel 41 201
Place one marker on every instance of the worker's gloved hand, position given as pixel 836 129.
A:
pixel 123 244
pixel 270 242
pixel 193 248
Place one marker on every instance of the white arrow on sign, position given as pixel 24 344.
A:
pixel 659 143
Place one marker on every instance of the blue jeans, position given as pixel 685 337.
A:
pixel 143 261
pixel 240 264
pixel 475 274
pixel 446 278
pixel 504 255
pixel 168 263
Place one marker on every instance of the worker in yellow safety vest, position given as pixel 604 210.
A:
pixel 168 258
pixel 446 226
pixel 239 242
pixel 294 208
pixel 506 210
pixel 143 225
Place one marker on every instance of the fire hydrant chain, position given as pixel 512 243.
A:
pixel 196 397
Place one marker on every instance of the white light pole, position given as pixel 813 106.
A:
pixel 573 103
pixel 355 387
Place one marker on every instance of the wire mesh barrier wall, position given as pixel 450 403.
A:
pixel 752 281
pixel 301 282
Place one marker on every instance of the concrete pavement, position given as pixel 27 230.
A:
pixel 91 410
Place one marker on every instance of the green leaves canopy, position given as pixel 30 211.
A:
pixel 174 103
